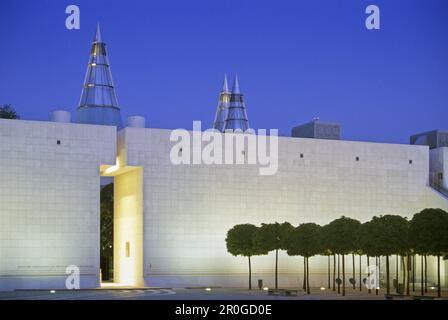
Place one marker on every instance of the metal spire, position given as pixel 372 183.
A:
pixel 97 34
pixel 237 115
pixel 223 106
pixel 98 103
pixel 236 85
pixel 225 86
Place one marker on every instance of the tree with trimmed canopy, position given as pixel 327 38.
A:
pixel 429 236
pixel 341 236
pixel 272 237
pixel 304 241
pixel 240 241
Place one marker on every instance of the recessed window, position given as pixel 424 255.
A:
pixel 58 142
pixel 180 151
pixel 243 152
pixel 128 249
pixel 357 158
pixel 301 156
pixel 410 161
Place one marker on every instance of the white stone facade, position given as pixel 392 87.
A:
pixel 49 201
pixel 189 208
pixel 171 220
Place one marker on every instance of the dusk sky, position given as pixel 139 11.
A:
pixel 296 60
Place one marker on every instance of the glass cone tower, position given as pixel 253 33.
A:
pixel 98 103
pixel 223 107
pixel 237 115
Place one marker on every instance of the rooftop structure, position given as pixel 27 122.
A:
pixel 237 115
pixel 433 139
pixel 98 103
pixel 317 129
pixel 223 107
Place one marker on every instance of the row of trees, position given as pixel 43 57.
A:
pixel 426 234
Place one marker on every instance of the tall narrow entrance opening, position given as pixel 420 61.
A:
pixel 107 230
pixel 122 237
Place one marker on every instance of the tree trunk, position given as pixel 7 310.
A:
pixel 334 272
pixel 276 268
pixel 387 275
pixel 413 273
pixel 438 275
pixel 354 271
pixel 329 271
pixel 403 274
pixel 421 275
pixel 360 273
pixel 250 275
pixel 368 268
pixel 343 274
pixel 304 274
pixel 339 276
pixel 397 262
pixel 379 276
pixel 408 265
pixel 379 268
pixel 307 276
pixel 426 274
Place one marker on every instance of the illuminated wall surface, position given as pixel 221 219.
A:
pixel 189 208
pixel 128 228
pixel 171 221
pixel 49 201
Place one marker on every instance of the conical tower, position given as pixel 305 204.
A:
pixel 98 103
pixel 237 115
pixel 223 106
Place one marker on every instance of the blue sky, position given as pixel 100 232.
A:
pixel 296 60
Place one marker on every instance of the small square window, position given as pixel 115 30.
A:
pixel 243 153
pixel 357 158
pixel 301 156
pixel 128 249
pixel 410 161
pixel 58 142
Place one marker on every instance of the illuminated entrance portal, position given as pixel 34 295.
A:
pixel 128 224
pixel 106 229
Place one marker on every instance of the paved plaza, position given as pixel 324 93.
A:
pixel 192 294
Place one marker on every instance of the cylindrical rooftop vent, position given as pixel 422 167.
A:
pixel 60 116
pixel 136 122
